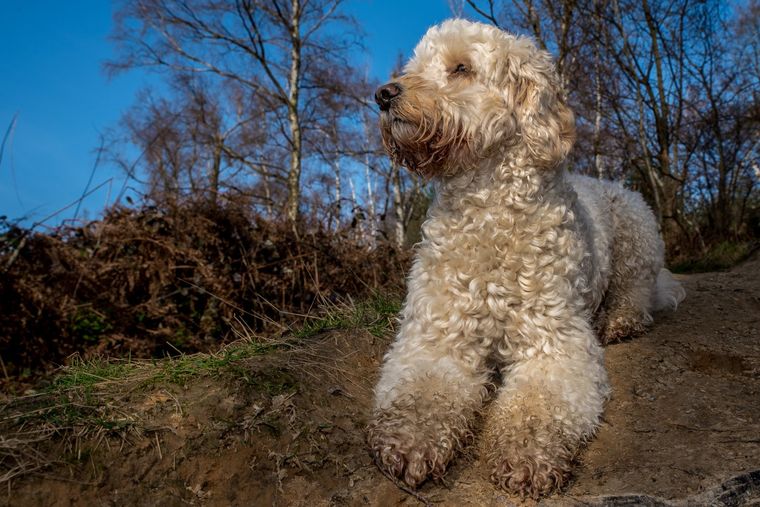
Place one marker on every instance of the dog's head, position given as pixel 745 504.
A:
pixel 472 92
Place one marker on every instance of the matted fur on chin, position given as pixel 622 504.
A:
pixel 523 273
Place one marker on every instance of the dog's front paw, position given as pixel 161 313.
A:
pixel 411 452
pixel 414 463
pixel 532 459
pixel 529 476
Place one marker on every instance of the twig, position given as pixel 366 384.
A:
pixel 226 301
pixel 40 222
pixel 5 372
pixel 92 175
pixel 403 487
pixel 8 131
pixel 11 132
pixel 158 445
pixel 488 15
pixel 16 251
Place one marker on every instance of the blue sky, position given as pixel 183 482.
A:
pixel 52 77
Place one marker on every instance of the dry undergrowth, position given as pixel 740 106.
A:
pixel 149 282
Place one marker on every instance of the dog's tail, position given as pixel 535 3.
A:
pixel 668 292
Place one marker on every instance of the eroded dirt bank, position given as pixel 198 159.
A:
pixel 286 429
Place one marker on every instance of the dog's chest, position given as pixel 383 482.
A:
pixel 507 259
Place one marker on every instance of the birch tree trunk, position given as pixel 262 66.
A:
pixel 268 195
pixel 370 207
pixel 216 169
pixel 398 206
pixel 597 115
pixel 335 212
pixel 598 164
pixel 358 220
pixel 294 174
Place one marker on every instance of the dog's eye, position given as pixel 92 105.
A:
pixel 461 69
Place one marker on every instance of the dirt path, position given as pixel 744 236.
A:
pixel 683 427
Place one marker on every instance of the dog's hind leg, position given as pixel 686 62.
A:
pixel 637 258
pixel 627 307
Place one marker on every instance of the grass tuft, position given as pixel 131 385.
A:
pixel 82 373
pixel 179 369
pixel 375 314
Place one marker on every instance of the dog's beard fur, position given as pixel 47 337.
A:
pixel 419 137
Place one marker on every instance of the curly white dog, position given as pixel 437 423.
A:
pixel 521 268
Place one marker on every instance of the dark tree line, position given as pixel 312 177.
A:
pixel 266 102
pixel 667 96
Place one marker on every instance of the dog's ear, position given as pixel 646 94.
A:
pixel 546 124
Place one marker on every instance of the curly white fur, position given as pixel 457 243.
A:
pixel 523 268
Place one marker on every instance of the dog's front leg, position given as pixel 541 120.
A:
pixel 430 387
pixel 550 402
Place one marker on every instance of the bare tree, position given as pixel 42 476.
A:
pixel 198 142
pixel 723 129
pixel 284 55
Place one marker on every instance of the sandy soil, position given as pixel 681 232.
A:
pixel 683 427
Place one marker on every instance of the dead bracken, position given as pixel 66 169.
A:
pixel 162 280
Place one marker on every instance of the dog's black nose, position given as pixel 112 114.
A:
pixel 385 95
